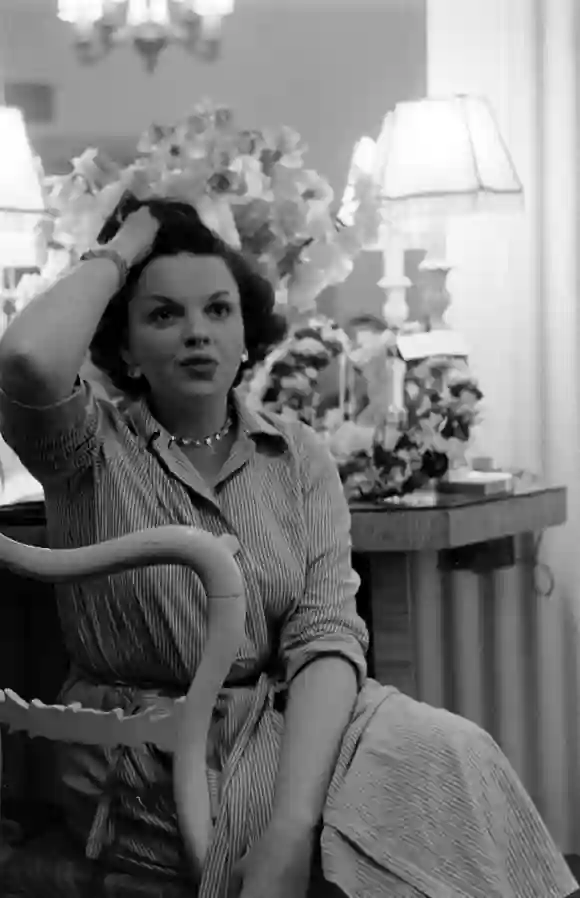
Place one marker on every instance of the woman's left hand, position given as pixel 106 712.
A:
pixel 277 866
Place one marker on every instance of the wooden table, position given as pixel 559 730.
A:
pixel 408 557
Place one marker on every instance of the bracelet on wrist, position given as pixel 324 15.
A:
pixel 113 256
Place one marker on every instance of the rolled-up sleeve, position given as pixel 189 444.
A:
pixel 55 440
pixel 325 620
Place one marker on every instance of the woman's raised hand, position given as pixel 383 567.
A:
pixel 134 239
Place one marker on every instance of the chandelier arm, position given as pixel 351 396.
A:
pixel 148 25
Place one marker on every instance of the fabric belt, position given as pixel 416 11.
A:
pixel 222 852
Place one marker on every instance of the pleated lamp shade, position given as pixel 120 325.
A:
pixel 21 199
pixel 438 158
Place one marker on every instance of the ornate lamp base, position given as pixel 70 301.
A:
pixel 435 296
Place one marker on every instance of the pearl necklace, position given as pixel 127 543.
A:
pixel 207 442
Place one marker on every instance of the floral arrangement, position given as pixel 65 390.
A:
pixel 287 381
pixel 408 455
pixel 379 456
pixel 249 186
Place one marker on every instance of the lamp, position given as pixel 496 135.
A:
pixel 434 159
pixel 22 205
pixel 150 25
pixel 437 159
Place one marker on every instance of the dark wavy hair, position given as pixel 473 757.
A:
pixel 182 231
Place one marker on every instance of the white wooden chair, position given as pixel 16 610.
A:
pixel 181 730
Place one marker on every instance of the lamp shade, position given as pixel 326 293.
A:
pixel 21 200
pixel 361 167
pixel 444 157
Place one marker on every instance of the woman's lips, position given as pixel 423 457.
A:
pixel 203 369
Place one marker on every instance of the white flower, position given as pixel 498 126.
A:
pixel 351 438
pixel 289 414
pixel 282 294
pixel 332 333
pixel 412 390
pixel 323 263
pixel 85 165
pixel 371 345
pixel 308 346
pixel 257 185
pixel 296 382
pixel 216 214
pixel 288 143
pixel 259 382
pixel 29 286
pixel 306 284
pixel 332 421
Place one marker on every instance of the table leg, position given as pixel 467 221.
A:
pixel 392 620
pixel 406 619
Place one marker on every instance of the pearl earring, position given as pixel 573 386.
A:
pixel 134 373
pixel 245 356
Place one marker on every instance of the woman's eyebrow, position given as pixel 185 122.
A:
pixel 159 297
pixel 168 300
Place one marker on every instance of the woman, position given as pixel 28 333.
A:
pixel 317 769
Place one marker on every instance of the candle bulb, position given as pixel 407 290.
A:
pixel 398 371
pixel 342 385
pixel 351 379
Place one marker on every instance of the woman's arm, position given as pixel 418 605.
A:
pixel 321 700
pixel 320 703
pixel 323 644
pixel 44 347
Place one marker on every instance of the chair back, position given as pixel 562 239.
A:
pixel 211 557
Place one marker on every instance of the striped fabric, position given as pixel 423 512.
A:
pixel 421 802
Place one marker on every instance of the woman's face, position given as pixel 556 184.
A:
pixel 185 327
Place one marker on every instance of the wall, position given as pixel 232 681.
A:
pixel 493 281
pixel 329 68
pixel 514 296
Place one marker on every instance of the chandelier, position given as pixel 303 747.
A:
pixel 148 25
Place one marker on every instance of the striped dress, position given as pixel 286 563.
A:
pixel 421 802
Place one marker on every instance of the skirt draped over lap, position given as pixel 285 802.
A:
pixel 429 797
pixel 422 803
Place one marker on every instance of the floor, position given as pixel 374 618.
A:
pixel 573 861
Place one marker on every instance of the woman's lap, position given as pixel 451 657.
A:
pixel 126 817
pixel 118 804
pixel 430 797
pixel 420 791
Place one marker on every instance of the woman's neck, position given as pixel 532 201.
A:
pixel 194 420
